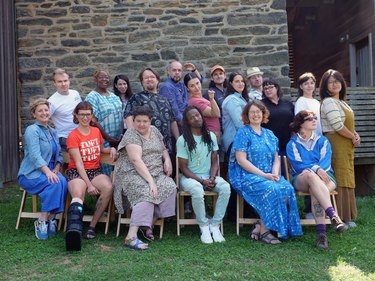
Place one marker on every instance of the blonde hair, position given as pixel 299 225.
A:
pixel 57 72
pixel 35 103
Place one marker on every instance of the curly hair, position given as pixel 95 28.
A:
pixel 261 106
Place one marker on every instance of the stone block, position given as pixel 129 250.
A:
pixel 141 36
pixel 216 19
pixel 150 20
pixel 35 21
pixel 75 42
pixel 89 50
pixel 136 19
pixel 189 20
pixel 211 31
pixel 64 21
pixel 243 40
pixel 99 20
pixel 52 13
pixel 271 59
pixel 29 91
pixel 63 4
pixel 25 63
pixel 251 30
pixel 73 61
pixel 252 49
pixel 77 9
pixel 260 18
pixel 87 72
pixel 184 30
pixel 30 75
pixel 81 26
pixel 208 40
pixel 156 12
pixel 89 33
pixel 169 55
pixel 197 53
pixel 270 40
pixel 146 57
pixel 55 52
pixel 179 12
pixel 30 42
pixel 58 29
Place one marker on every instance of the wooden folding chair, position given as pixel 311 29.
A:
pixel 181 220
pixel 300 193
pixel 34 214
pixel 126 220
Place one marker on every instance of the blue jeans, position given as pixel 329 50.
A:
pixel 197 195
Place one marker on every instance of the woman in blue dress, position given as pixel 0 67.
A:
pixel 39 173
pixel 254 172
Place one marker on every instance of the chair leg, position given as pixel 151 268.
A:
pixel 178 213
pixel 118 225
pixel 161 228
pixel 22 206
pixel 35 203
pixel 238 215
pixel 108 220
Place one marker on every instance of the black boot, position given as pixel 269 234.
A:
pixel 74 230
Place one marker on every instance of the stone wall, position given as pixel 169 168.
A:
pixel 81 35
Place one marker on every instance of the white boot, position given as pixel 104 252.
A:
pixel 216 233
pixel 205 234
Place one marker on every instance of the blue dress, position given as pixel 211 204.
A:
pixel 266 196
pixel 42 149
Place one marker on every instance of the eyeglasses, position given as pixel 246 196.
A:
pixel 268 87
pixel 336 82
pixel 82 115
pixel 311 118
pixel 255 112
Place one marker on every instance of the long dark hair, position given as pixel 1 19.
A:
pixel 189 76
pixel 231 90
pixel 188 135
pixel 324 93
pixel 128 92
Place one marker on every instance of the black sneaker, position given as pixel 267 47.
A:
pixel 322 242
pixel 338 224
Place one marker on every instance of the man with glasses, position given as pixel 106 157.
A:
pixel 62 104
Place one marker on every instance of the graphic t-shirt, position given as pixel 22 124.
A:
pixel 88 145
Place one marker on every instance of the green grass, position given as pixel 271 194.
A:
pixel 351 256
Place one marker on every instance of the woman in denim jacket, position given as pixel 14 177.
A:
pixel 39 172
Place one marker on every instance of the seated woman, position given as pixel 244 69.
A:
pixel 254 168
pixel 310 155
pixel 85 143
pixel 142 174
pixel 39 172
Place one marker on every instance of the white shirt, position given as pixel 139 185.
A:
pixel 61 109
pixel 308 104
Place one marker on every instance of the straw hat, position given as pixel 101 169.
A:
pixel 253 71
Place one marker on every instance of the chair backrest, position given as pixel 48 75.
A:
pixel 287 168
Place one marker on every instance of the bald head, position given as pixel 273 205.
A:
pixel 175 71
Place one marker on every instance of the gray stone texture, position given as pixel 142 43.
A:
pixel 82 35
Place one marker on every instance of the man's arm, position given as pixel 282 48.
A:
pixel 183 163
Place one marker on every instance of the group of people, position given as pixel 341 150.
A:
pixel 248 130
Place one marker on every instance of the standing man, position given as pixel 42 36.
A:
pixel 62 104
pixel 255 80
pixel 174 89
pixel 162 114
pixel 197 157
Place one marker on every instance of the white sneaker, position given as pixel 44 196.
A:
pixel 216 233
pixel 52 227
pixel 206 235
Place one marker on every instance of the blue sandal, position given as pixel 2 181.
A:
pixel 136 245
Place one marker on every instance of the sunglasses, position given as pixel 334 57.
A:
pixel 311 118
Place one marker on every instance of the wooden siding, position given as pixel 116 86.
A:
pixel 316 31
pixel 9 160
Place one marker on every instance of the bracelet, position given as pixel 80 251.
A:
pixel 194 70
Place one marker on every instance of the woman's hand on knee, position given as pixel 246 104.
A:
pixel 92 190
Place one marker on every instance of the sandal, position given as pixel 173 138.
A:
pixel 90 233
pixel 267 238
pixel 255 235
pixel 135 244
pixel 147 233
